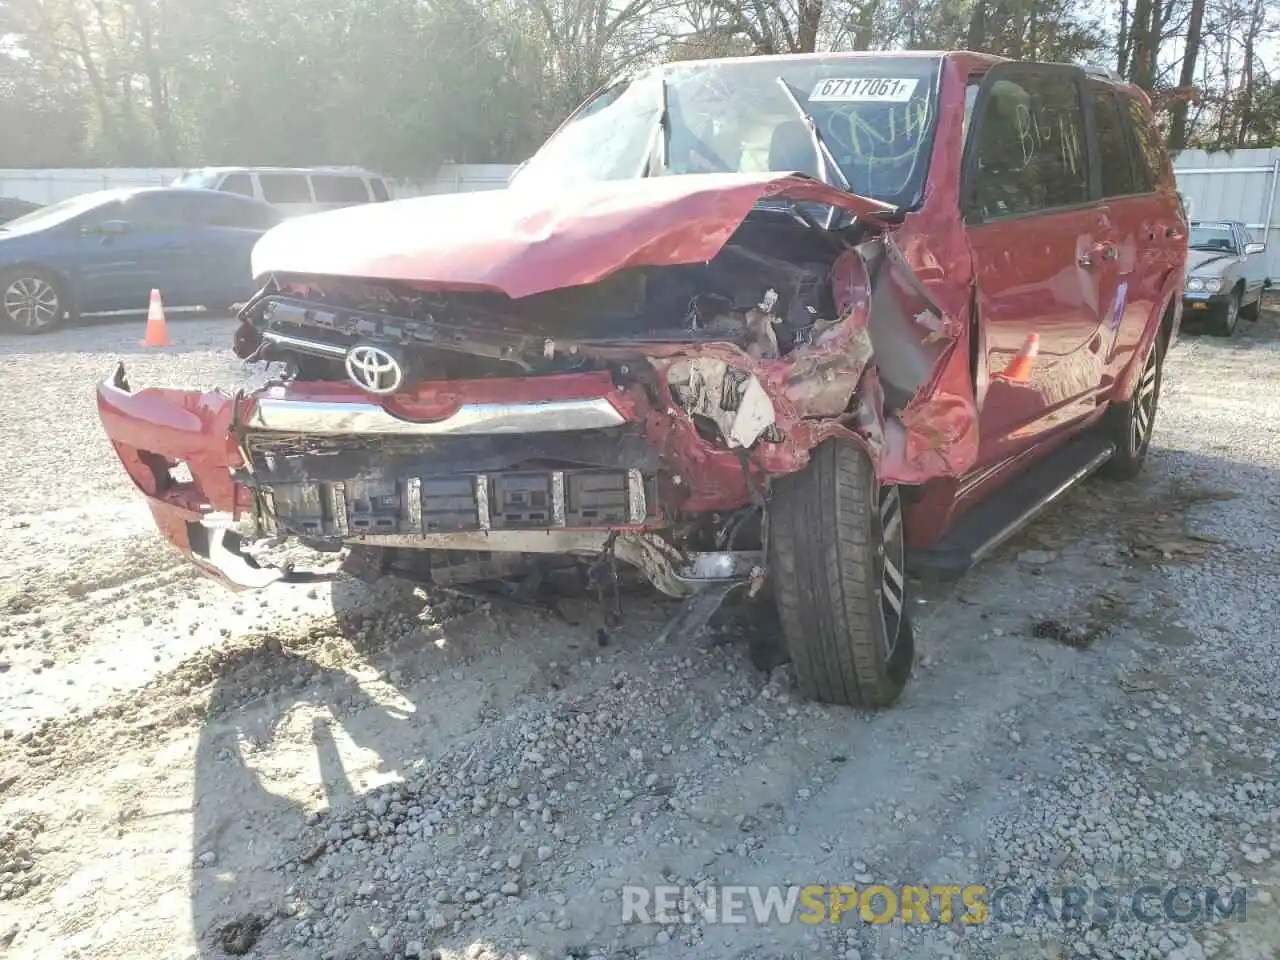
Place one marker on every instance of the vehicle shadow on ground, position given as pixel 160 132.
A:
pixel 277 716
pixel 436 684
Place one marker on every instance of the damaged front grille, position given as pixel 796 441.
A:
pixel 420 505
pixel 765 291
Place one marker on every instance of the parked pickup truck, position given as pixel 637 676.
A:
pixel 1226 274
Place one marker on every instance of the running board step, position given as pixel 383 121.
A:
pixel 993 521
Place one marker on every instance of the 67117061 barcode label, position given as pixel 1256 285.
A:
pixel 864 90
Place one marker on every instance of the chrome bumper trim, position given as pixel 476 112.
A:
pixel 306 346
pixel 324 417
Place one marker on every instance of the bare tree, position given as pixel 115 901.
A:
pixel 1186 77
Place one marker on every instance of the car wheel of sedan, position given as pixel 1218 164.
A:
pixel 1130 424
pixel 31 301
pixel 1224 324
pixel 837 566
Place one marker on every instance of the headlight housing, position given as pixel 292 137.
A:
pixel 1203 284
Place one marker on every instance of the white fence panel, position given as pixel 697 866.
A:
pixel 465 177
pixel 50 186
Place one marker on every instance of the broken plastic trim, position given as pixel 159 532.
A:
pixel 222 549
pixel 217 544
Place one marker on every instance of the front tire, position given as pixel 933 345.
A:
pixel 1129 425
pixel 1224 324
pixel 837 559
pixel 32 300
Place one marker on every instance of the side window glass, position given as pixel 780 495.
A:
pixel 95 218
pixel 379 190
pixel 157 213
pixel 224 213
pixel 284 188
pixel 970 98
pixel 1113 143
pixel 237 183
pixel 331 188
pixel 1031 147
pixel 1147 160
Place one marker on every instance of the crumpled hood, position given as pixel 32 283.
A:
pixel 1207 263
pixel 523 242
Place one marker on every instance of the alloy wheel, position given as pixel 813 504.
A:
pixel 892 555
pixel 1233 313
pixel 31 303
pixel 1144 401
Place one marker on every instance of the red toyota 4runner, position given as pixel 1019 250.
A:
pixel 798 324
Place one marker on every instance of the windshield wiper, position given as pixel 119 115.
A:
pixel 826 160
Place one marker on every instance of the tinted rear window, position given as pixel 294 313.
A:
pixel 1113 143
pixel 284 188
pixel 1149 159
pixel 1030 147
pixel 337 189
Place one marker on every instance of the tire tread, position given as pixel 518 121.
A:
pixel 822 535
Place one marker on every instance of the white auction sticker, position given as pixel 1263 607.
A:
pixel 864 90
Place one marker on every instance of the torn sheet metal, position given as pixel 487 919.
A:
pixel 527 242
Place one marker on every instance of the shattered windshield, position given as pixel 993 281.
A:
pixel 874 115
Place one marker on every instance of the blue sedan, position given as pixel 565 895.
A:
pixel 104 252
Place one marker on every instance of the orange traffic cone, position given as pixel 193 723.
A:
pixel 157 334
pixel 1019 369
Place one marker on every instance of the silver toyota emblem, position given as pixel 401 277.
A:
pixel 374 370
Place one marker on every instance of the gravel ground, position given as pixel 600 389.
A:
pixel 339 772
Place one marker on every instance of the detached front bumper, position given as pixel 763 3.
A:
pixel 158 432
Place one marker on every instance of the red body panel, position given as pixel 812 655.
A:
pixel 963 433
pixel 522 242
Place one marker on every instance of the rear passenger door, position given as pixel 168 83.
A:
pixel 1041 255
pixel 1150 216
pixel 1125 217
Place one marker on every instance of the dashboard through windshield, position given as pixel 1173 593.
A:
pixel 874 115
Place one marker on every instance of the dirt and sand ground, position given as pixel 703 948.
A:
pixel 340 772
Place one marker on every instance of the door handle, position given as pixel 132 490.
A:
pixel 1172 233
pixel 1102 253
